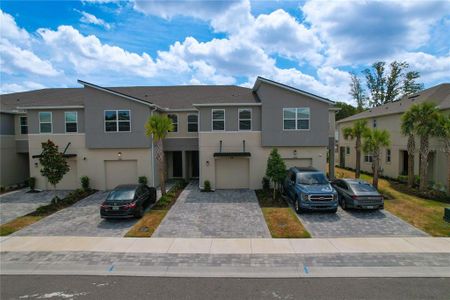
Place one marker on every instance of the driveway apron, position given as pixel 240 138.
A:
pixel 354 223
pixel 219 214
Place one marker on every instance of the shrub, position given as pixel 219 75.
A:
pixel 207 186
pixel 266 183
pixel 85 183
pixel 142 180
pixel 32 183
pixel 2 189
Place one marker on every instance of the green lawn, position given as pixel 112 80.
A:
pixel 425 214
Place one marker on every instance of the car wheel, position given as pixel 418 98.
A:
pixel 140 212
pixel 343 204
pixel 297 206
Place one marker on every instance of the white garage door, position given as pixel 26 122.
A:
pixel 232 173
pixel 298 162
pixel 120 172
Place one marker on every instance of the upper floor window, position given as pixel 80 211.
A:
pixel 296 118
pixel 192 121
pixel 374 123
pixel 388 155
pixel 218 119
pixel 347 149
pixel 174 119
pixel 245 119
pixel 117 120
pixel 23 125
pixel 368 158
pixel 45 122
pixel 71 121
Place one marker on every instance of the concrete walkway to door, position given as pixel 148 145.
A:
pixel 219 214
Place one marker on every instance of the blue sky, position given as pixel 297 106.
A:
pixel 311 45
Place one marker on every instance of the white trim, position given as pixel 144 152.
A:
pixel 175 131
pixel 194 114
pixel 51 122
pixel 51 107
pixel 232 131
pixel 169 110
pixel 239 119
pixel 212 119
pixel 227 104
pixel 65 121
pixel 296 119
pixel 69 133
pixel 117 120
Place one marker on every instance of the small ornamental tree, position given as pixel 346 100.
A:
pixel 276 170
pixel 54 165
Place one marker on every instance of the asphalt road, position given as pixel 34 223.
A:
pixel 120 287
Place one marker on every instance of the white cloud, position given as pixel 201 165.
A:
pixel 88 18
pixel 432 68
pixel 10 31
pixel 24 86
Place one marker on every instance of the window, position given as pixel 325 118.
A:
pixel 117 120
pixel 71 120
pixel 374 123
pixel 45 122
pixel 245 119
pixel 296 118
pixel 23 125
pixel 368 158
pixel 218 119
pixel 347 149
pixel 388 155
pixel 192 123
pixel 174 119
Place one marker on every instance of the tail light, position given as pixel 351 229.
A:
pixel 103 205
pixel 354 197
pixel 130 205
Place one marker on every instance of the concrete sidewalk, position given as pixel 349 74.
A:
pixel 225 246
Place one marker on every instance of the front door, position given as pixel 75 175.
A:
pixel 342 157
pixel 177 160
pixel 195 165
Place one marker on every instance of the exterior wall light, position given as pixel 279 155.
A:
pixel 295 153
pixel 36 164
pixel 119 155
pixel 207 163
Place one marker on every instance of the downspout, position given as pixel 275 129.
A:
pixel 153 153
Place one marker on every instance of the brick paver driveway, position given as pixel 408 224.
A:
pixel 220 214
pixel 80 219
pixel 20 203
pixel 354 223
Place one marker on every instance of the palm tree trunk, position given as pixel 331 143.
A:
pixel 411 150
pixel 376 163
pixel 424 150
pixel 448 172
pixel 358 157
pixel 159 153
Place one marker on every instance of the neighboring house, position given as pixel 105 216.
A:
pixel 394 160
pixel 223 134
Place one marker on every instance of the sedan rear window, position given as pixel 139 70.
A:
pixel 121 195
pixel 363 187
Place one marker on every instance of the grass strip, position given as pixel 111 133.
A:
pixel 44 211
pixel 147 225
pixel 425 214
pixel 283 223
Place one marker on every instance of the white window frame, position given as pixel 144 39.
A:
pixel 65 121
pixel 388 156
pixel 21 126
pixel 239 119
pixel 212 120
pixel 177 122
pixel 117 120
pixel 296 119
pixel 51 122
pixel 368 158
pixel 196 115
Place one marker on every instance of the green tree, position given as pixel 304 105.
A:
pixel 443 133
pixel 356 132
pixel 426 123
pixel 357 92
pixel 157 127
pixel 407 128
pixel 374 141
pixel 346 110
pixel 54 165
pixel 388 86
pixel 276 170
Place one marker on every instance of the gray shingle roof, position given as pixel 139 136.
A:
pixel 439 94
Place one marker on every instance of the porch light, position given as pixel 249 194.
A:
pixel 207 163
pixel 119 155
pixel 295 153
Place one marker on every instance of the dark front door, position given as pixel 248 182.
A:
pixel 177 160
pixel 342 157
pixel 405 163
pixel 195 164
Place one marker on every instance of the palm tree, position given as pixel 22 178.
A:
pixel 157 127
pixel 443 132
pixel 407 128
pixel 374 140
pixel 357 132
pixel 426 119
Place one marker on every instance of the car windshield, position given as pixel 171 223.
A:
pixel 118 195
pixel 363 187
pixel 311 178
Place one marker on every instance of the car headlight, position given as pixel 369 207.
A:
pixel 305 197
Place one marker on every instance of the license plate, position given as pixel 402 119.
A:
pixel 115 208
pixel 370 207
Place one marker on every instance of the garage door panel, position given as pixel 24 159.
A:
pixel 120 172
pixel 298 162
pixel 232 173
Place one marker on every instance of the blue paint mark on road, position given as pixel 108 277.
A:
pixel 305 268
pixel 111 268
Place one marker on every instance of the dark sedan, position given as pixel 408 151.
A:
pixel 130 200
pixel 356 193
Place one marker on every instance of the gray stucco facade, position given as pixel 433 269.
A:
pixel 231 117
pixel 58 121
pixel 6 124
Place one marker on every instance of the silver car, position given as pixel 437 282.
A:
pixel 356 193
